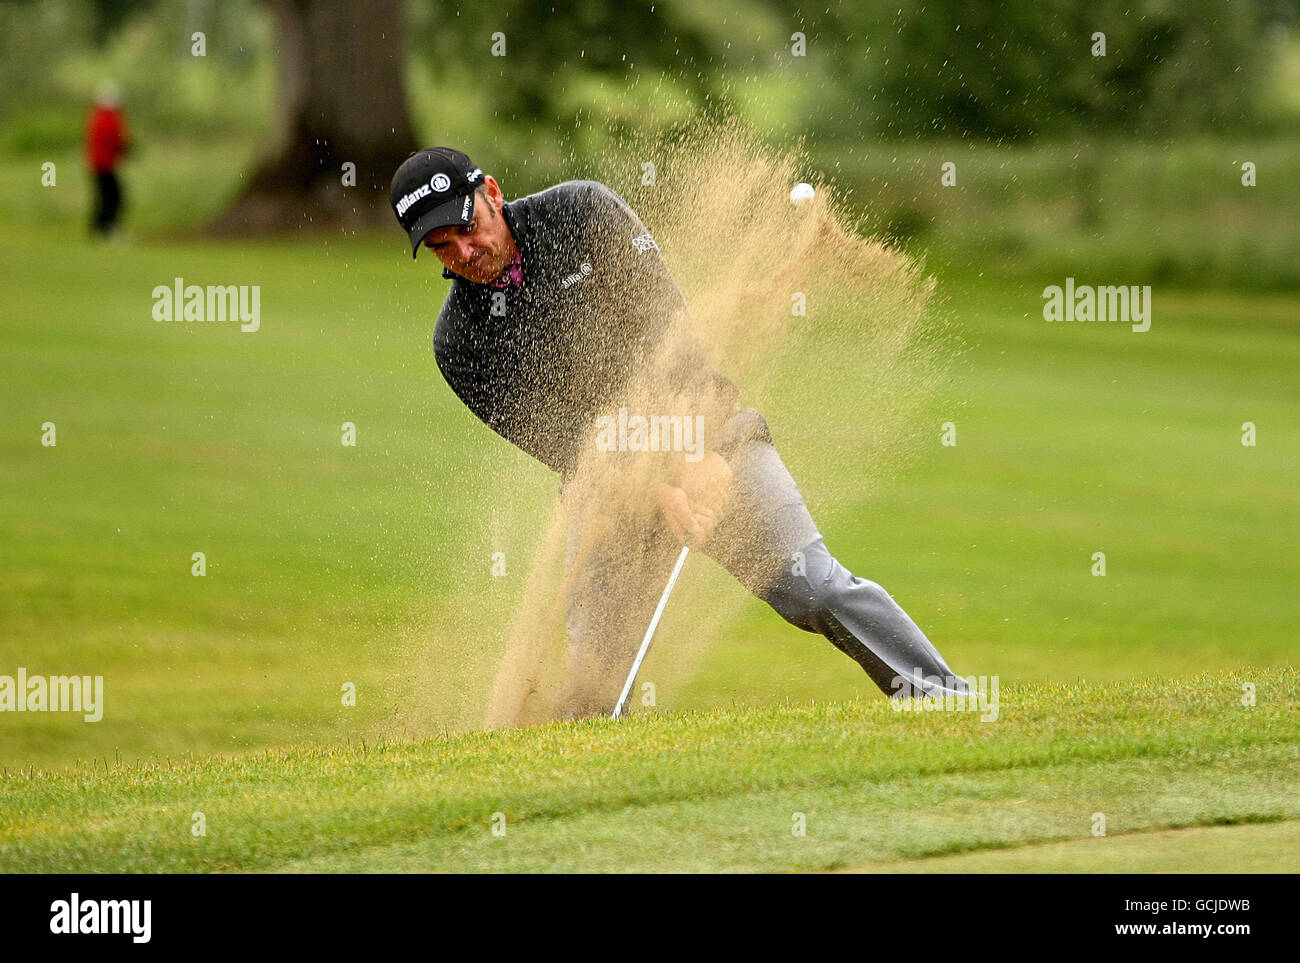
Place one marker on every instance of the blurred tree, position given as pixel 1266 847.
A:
pixel 1020 69
pixel 342 100
pixel 530 54
pixel 108 15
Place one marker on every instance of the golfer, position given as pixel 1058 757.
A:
pixel 563 325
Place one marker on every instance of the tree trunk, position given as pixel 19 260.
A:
pixel 342 98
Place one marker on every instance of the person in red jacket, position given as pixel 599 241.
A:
pixel 106 143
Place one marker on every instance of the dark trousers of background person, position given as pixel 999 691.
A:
pixel 108 203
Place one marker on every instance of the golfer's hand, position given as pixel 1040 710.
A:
pixel 689 522
pixel 707 483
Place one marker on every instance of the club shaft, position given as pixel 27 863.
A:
pixel 650 632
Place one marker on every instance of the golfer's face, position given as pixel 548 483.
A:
pixel 477 250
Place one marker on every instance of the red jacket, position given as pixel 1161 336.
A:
pixel 106 139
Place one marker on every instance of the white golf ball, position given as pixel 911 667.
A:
pixel 801 193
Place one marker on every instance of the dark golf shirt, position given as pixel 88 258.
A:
pixel 539 362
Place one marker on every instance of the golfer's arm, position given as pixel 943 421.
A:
pixel 534 432
pixel 701 389
pixel 683 380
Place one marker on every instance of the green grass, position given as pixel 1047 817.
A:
pixel 172 185
pixel 1129 210
pixel 371 564
pixel 1268 847
pixel 1122 210
pixel 715 791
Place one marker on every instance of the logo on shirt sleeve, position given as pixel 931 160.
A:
pixel 583 272
pixel 643 243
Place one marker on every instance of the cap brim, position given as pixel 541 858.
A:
pixel 444 215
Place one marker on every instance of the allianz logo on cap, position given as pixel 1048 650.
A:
pixel 441 183
pixel 404 204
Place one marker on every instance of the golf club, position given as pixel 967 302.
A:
pixel 650 632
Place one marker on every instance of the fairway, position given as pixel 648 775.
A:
pixel 721 791
pixel 371 565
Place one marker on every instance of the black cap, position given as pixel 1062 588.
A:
pixel 433 188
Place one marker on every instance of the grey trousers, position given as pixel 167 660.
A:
pixel 616 568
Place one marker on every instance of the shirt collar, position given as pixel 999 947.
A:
pixel 513 275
